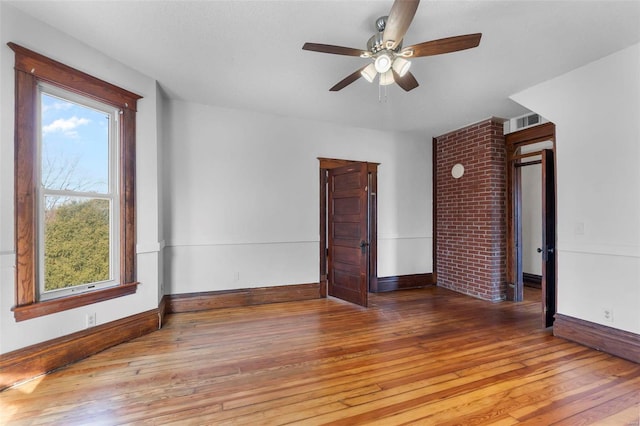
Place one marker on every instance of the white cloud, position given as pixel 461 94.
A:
pixel 65 125
pixel 56 106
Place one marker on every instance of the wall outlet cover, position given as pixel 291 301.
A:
pixel 90 320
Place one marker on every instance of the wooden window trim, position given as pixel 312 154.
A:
pixel 30 69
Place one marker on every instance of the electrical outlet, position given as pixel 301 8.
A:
pixel 236 276
pixel 607 314
pixel 90 320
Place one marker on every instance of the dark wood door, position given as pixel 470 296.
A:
pixel 548 248
pixel 347 229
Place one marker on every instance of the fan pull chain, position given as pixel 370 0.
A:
pixel 382 93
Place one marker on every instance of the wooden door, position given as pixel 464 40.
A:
pixel 548 248
pixel 347 228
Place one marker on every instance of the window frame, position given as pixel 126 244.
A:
pixel 31 69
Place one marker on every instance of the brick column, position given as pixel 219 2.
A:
pixel 470 211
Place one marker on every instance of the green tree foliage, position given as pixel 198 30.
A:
pixel 76 243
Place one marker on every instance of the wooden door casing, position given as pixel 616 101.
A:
pixel 514 141
pixel 327 164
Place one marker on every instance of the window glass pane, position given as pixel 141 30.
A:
pixel 538 146
pixel 76 241
pixel 530 159
pixel 75 146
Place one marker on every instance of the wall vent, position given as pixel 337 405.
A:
pixel 522 122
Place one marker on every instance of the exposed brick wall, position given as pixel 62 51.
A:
pixel 470 211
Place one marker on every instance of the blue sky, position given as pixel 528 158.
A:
pixel 74 146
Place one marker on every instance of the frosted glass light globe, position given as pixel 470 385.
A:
pixel 383 63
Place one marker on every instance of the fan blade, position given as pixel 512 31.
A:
pixel 347 80
pixel 444 45
pixel 408 82
pixel 400 17
pixel 337 50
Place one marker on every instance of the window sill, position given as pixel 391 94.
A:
pixel 52 306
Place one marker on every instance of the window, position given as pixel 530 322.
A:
pixel 78 193
pixel 75 187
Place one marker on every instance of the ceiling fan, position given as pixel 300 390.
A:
pixel 389 60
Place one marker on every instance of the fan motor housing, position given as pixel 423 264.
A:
pixel 375 43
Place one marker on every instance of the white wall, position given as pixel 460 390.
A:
pixel 596 109
pixel 242 197
pixel 531 183
pixel 162 103
pixel 33 34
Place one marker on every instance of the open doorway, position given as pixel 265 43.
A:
pixel 348 229
pixel 531 190
pixel 531 215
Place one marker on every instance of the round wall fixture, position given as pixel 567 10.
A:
pixel 457 171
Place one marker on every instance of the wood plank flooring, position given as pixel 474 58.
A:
pixel 427 357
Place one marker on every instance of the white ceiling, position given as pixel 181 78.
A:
pixel 247 54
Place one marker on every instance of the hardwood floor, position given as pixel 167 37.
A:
pixel 426 356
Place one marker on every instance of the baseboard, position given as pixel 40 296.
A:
pixel 616 342
pixel 192 302
pixel 532 280
pixel 403 282
pixel 35 360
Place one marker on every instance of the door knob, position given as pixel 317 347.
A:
pixel 545 253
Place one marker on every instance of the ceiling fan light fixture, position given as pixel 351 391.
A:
pixel 386 78
pixel 369 73
pixel 385 49
pixel 383 63
pixel 401 66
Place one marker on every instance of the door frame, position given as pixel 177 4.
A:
pixel 327 164
pixel 513 141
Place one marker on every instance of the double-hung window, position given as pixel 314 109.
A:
pixel 75 187
pixel 78 200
